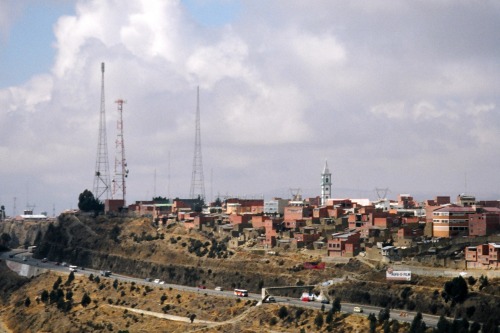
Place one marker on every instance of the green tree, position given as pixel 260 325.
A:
pixel 88 203
pixel 373 322
pixel 318 321
pixel 483 282
pixel 456 290
pixel 384 315
pixel 57 283
pixel 69 295
pixel 387 326
pixel 329 317
pixel 417 325
pixel 27 302
pixel 283 312
pixel 395 326
pixel 192 317
pixel 336 306
pixel 70 279
pixel 85 300
pixel 44 296
pixel 443 325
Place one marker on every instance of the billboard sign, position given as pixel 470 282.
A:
pixel 398 275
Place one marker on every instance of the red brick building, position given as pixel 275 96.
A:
pixel 484 256
pixel 344 244
pixel 485 222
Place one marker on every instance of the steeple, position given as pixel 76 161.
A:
pixel 326 184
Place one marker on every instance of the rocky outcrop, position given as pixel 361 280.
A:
pixel 24 233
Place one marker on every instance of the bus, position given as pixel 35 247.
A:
pixel 241 292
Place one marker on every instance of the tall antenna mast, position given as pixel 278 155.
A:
pixel 197 181
pixel 168 183
pixel 101 177
pixel 121 171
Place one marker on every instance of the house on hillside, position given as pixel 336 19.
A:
pixel 484 256
pixel 344 244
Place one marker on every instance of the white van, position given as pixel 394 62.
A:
pixel 72 268
pixel 357 309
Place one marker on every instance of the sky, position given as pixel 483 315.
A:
pixel 396 95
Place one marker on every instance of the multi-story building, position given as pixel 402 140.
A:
pixel 484 256
pixel 486 221
pixel 344 244
pixel 275 206
pixel 451 221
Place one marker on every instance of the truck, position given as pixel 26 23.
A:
pixel 308 297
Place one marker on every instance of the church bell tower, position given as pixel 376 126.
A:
pixel 326 185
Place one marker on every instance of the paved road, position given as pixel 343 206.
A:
pixel 23 257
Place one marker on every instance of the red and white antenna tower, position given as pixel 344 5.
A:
pixel 121 171
pixel 101 176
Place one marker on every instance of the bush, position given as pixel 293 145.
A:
pixel 273 321
pixel 283 312
pixel 27 302
pixel 86 300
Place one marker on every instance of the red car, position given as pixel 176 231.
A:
pixel 202 287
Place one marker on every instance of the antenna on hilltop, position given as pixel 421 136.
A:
pixel 296 196
pixel 101 177
pixel 121 171
pixel 382 192
pixel 197 181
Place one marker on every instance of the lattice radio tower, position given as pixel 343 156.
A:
pixel 197 181
pixel 101 177
pixel 121 171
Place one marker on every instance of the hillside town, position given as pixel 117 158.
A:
pixel 339 229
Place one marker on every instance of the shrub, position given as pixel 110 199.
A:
pixel 318 321
pixel 283 312
pixel 86 300
pixel 27 302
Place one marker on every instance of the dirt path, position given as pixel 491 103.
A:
pixel 205 323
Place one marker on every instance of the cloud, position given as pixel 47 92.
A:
pixel 389 93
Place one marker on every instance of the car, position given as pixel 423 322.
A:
pixel 219 288
pixel 147 279
pixel 25 259
pixel 325 301
pixel 271 299
pixel 57 263
pixel 357 309
pixel 65 263
pixel 106 273
pixel 202 287
pixel 156 281
pixel 162 282
pixel 45 260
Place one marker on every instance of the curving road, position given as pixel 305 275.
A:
pixel 23 257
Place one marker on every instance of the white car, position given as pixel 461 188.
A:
pixel 156 281
pixel 357 309
pixel 162 282
pixel 218 288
